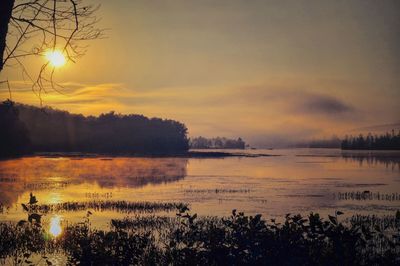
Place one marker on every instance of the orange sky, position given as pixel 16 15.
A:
pixel 269 71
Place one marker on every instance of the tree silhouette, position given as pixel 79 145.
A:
pixel 52 130
pixel 388 141
pixel 14 138
pixel 216 143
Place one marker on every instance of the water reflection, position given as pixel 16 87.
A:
pixel 55 226
pixel 390 160
pixel 297 181
pixel 28 174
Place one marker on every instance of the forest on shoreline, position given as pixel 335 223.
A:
pixel 388 141
pixel 28 129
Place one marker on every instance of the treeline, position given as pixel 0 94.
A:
pixel 333 143
pixel 14 138
pixel 377 142
pixel 216 143
pixel 29 128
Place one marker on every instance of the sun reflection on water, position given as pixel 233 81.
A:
pixel 55 197
pixel 55 226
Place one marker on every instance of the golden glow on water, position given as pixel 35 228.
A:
pixel 55 197
pixel 55 226
pixel 268 185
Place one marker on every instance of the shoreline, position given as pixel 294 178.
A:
pixel 189 154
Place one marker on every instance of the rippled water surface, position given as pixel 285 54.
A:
pixel 296 181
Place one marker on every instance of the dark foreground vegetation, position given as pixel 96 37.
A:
pixel 28 128
pixel 388 141
pixel 190 240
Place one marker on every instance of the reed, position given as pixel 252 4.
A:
pixel 367 195
pixel 217 190
pixel 105 205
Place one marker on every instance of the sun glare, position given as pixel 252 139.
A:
pixel 55 226
pixel 56 58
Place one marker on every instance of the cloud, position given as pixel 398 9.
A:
pixel 290 100
pixel 74 97
pixel 322 104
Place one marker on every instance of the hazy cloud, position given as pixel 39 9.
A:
pixel 293 100
pixel 323 104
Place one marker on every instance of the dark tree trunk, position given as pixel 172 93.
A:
pixel 6 7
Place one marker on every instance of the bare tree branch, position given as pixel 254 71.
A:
pixel 35 27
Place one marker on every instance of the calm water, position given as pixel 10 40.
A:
pixel 297 181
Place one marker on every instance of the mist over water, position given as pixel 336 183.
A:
pixel 297 181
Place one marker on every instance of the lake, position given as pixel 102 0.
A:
pixel 290 181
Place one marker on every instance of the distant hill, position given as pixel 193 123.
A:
pixel 50 130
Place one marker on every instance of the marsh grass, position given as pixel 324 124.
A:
pixel 217 191
pixel 367 195
pixel 385 222
pixel 106 205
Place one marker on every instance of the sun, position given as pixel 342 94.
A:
pixel 55 58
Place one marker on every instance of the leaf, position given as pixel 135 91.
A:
pixel 333 219
pixel 21 223
pixel 24 207
pixel 114 223
pixel 32 199
pixel 35 216
pixel 184 208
